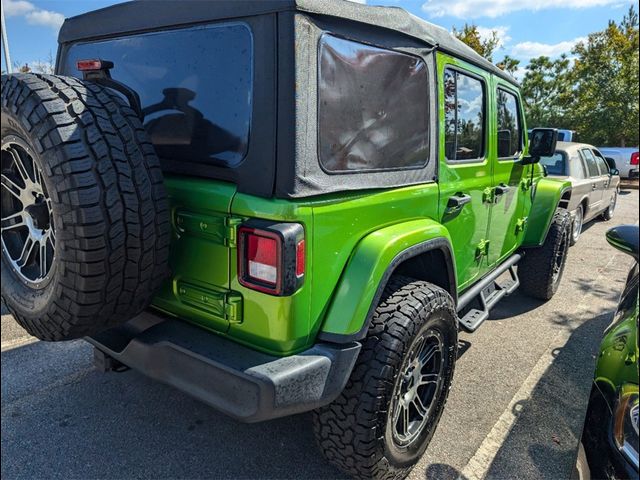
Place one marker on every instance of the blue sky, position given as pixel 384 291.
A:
pixel 527 28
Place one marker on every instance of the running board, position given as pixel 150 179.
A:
pixel 488 292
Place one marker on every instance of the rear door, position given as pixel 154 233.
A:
pixel 511 195
pixel 595 178
pixel 465 169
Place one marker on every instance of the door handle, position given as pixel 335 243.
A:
pixel 502 189
pixel 456 202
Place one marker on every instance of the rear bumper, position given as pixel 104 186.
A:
pixel 247 385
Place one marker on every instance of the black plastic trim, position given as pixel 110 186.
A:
pixel 245 384
pixel 441 244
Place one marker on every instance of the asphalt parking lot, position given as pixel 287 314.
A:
pixel 515 409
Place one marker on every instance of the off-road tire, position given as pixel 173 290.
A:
pixel 353 432
pixel 108 206
pixel 611 209
pixel 536 269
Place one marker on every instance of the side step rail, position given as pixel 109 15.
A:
pixel 488 292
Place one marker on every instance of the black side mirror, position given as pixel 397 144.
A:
pixel 625 239
pixel 542 143
pixel 614 171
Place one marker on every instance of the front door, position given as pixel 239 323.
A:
pixel 465 171
pixel 511 185
pixel 595 195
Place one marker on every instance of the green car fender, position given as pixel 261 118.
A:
pixel 374 260
pixel 548 195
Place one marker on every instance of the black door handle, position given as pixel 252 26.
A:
pixel 502 189
pixel 593 186
pixel 456 202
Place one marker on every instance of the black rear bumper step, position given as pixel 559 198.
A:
pixel 247 385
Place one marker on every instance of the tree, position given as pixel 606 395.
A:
pixel 483 46
pixel 509 64
pixel 605 78
pixel 546 89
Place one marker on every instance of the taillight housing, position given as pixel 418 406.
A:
pixel 271 256
pixel 634 158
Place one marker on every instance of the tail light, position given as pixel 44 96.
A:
pixel 634 158
pixel 271 256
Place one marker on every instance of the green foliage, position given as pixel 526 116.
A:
pixel 605 84
pixel 471 36
pixel 595 92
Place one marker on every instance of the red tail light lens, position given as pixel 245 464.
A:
pixel 262 258
pixel 634 158
pixel 300 258
pixel 271 256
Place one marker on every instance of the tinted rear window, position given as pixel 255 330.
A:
pixel 556 164
pixel 373 108
pixel 195 87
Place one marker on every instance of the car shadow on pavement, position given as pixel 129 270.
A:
pixel 66 420
pixel 555 409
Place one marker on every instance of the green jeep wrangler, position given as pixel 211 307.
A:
pixel 276 207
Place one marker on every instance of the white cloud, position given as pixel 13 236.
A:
pixel 32 14
pixel 359 1
pixel 529 50
pixel 14 8
pixel 45 18
pixel 495 8
pixel 502 32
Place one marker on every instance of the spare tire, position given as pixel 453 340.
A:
pixel 85 223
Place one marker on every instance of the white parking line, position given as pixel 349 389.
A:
pixel 479 464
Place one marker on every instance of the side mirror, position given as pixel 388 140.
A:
pixel 614 171
pixel 542 143
pixel 625 239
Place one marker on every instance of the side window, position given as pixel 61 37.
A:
pixel 373 108
pixel 509 129
pixel 602 163
pixel 464 105
pixel 590 160
pixel 578 168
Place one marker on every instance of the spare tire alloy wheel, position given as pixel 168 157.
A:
pixel 28 230
pixel 85 226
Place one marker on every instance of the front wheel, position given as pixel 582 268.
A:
pixel 382 422
pixel 541 269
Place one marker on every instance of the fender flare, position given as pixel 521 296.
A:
pixel 547 196
pixel 365 277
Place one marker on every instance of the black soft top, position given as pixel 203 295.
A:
pixel 149 15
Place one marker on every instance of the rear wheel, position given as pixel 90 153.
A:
pixel 611 209
pixel 541 269
pixel 85 224
pixel 576 227
pixel 384 419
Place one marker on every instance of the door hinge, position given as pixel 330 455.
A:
pixel 482 250
pixel 526 184
pixel 231 229
pixel 233 307
pixel 521 224
pixel 488 195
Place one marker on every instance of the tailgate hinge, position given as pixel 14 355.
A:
pixel 231 231
pixel 233 307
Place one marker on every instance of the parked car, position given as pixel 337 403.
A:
pixel 609 445
pixel 626 160
pixel 277 207
pixel 594 183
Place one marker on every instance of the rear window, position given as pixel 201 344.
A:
pixel 372 107
pixel 195 87
pixel 555 164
